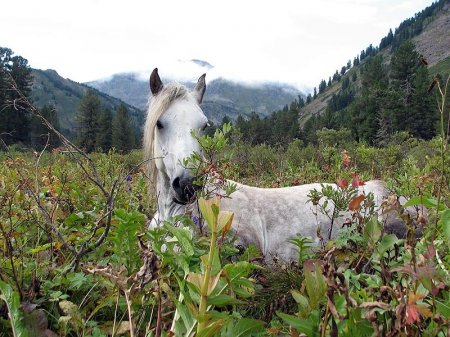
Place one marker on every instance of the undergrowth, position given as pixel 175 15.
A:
pixel 77 258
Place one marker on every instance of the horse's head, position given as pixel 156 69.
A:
pixel 173 113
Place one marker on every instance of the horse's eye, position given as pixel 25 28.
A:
pixel 159 125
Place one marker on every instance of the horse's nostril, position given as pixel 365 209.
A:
pixel 184 188
pixel 176 184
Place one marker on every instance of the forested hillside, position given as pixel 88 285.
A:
pixel 384 90
pixel 65 95
pixel 94 120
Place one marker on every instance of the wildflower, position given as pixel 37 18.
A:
pixel 128 180
pixel 195 219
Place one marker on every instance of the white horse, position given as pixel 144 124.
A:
pixel 265 217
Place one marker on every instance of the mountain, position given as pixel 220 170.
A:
pixel 428 30
pixel 223 97
pixel 65 95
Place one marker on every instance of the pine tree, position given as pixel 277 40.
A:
pixel 87 121
pixel 363 55
pixel 243 126
pixel 122 131
pixel 372 100
pixel 15 123
pixel 412 106
pixel 424 115
pixel 293 107
pixel 103 141
pixel 345 83
pixel 301 102
pixel 385 129
pixel 322 86
pixel 403 66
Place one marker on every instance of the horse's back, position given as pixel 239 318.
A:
pixel 269 217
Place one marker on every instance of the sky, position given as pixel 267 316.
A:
pixel 294 41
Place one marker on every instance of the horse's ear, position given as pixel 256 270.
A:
pixel 200 89
pixel 156 84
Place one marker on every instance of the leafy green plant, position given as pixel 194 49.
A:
pixel 364 283
pixel 11 298
pixel 304 246
pixel 207 284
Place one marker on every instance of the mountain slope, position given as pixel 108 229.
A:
pixel 222 98
pixel 433 42
pixel 65 95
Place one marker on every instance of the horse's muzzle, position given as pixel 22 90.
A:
pixel 185 189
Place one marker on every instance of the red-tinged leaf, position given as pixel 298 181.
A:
pixel 435 289
pixel 355 204
pixel 356 182
pixel 431 251
pixel 345 158
pixel 412 314
pixel 342 183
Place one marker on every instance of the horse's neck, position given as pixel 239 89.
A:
pixel 167 208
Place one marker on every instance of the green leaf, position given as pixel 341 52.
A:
pixel 302 325
pixel 211 329
pixel 302 302
pixel 12 301
pixel 40 248
pixel 77 280
pixel 315 283
pixel 74 217
pixel 187 317
pixel 427 202
pixel 387 242
pixel 222 300
pixel 241 268
pixel 209 212
pixel 443 308
pixel 247 327
pixel 356 324
pixel 184 237
pixel 444 223
pixel 373 230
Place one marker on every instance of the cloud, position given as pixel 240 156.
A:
pixel 294 41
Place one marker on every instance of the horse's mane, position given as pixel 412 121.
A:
pixel 157 106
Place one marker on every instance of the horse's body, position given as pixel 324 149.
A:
pixel 267 218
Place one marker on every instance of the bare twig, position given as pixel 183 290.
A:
pixel 88 167
pixel 10 248
pixel 43 211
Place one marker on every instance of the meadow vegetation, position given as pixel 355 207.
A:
pixel 77 258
